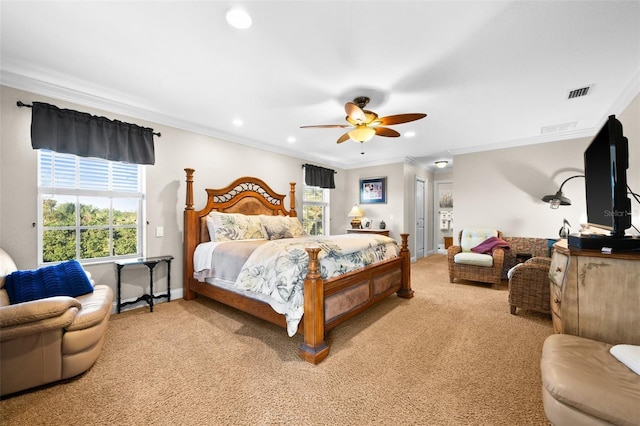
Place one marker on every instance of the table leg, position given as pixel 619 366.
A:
pixel 151 286
pixel 119 285
pixel 169 280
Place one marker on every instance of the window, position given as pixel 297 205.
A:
pixel 88 209
pixel 315 210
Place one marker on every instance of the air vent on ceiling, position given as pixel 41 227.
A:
pixel 558 128
pixel 576 93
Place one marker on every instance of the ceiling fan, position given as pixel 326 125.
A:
pixel 365 124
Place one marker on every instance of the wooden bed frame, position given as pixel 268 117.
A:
pixel 326 303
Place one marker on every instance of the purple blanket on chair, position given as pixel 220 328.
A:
pixel 490 244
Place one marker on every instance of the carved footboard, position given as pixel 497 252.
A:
pixel 330 302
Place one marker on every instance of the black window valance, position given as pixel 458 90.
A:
pixel 72 132
pixel 319 176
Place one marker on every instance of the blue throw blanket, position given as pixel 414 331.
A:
pixel 64 279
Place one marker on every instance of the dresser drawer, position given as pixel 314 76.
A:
pixel 556 308
pixel 558 268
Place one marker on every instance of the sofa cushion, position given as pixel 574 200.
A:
pixel 582 374
pixel 64 279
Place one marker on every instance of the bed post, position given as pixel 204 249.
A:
pixel 190 235
pixel 406 290
pixel 292 200
pixel 314 349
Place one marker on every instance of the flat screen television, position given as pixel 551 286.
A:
pixel 606 161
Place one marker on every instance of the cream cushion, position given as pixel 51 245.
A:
pixel 629 355
pixel 473 236
pixel 474 259
pixel 469 239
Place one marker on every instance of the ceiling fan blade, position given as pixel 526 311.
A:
pixel 385 131
pixel 400 118
pixel 354 113
pixel 327 126
pixel 343 138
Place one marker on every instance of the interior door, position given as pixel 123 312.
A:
pixel 420 233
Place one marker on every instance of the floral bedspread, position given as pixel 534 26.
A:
pixel 278 269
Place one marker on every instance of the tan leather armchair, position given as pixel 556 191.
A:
pixel 50 339
pixel 467 265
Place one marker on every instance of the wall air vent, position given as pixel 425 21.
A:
pixel 576 93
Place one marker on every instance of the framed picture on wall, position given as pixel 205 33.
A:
pixel 446 198
pixel 373 190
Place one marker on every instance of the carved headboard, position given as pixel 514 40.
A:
pixel 247 195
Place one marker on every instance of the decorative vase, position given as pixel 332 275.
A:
pixel 382 224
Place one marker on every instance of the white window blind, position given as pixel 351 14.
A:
pixel 89 209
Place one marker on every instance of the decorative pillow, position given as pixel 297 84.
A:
pixel 278 227
pixel 629 355
pixel 234 226
pixel 64 279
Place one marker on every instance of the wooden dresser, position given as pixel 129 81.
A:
pixel 595 295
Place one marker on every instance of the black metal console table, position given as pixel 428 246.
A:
pixel 149 262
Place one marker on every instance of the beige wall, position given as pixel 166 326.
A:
pixel 498 188
pixel 216 162
pixel 503 188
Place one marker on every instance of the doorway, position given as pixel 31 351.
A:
pixel 421 229
pixel 442 215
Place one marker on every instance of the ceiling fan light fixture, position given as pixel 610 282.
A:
pixel 362 134
pixel 441 164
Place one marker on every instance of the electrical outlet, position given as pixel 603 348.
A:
pixel 390 217
pixel 159 231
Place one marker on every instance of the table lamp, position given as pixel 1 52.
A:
pixel 356 213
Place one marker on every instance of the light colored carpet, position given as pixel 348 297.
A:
pixel 452 355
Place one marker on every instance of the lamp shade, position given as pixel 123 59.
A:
pixel 558 199
pixel 356 211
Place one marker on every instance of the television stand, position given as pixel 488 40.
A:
pixel 597 242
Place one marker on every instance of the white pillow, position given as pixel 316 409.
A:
pixel 629 355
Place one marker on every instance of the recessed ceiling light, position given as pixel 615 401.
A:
pixel 239 18
pixel 410 134
pixel 237 122
pixel 291 139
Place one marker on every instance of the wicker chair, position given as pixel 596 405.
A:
pixel 467 239
pixel 529 285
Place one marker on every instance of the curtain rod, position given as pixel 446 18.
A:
pixel 334 172
pixel 22 104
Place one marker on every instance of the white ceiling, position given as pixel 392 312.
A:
pixel 488 74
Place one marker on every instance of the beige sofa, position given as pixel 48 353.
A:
pixel 50 339
pixel 583 384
